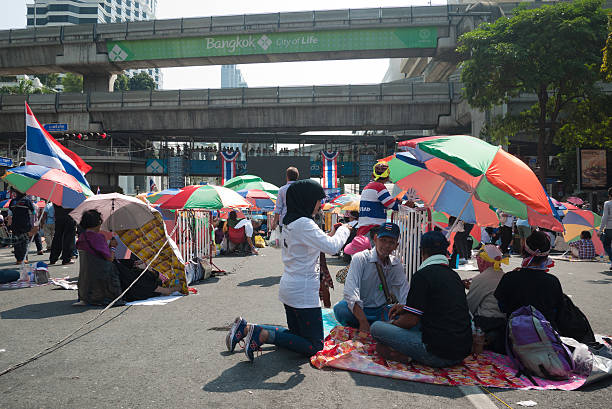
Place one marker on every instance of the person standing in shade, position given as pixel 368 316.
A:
pixel 605 230
pixel 48 222
pixel 507 222
pixel 21 208
pixel 64 237
pixel 280 209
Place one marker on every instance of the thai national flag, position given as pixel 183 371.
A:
pixel 330 169
pixel 228 165
pixel 43 149
pixel 98 191
pixel 152 186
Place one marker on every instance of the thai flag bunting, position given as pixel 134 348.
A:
pixel 152 186
pixel 330 169
pixel 98 191
pixel 228 166
pixel 43 149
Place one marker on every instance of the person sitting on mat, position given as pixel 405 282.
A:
pixel 583 249
pixel 434 327
pixel 481 301
pixel 100 282
pixel 372 274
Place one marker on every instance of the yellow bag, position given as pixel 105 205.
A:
pixel 260 242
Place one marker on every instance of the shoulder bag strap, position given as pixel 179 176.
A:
pixel 390 297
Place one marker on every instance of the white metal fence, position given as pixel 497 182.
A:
pixel 412 223
pixel 193 234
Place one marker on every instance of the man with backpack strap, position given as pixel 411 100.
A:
pixel 531 284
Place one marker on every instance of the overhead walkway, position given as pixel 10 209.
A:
pixel 99 50
pixel 276 109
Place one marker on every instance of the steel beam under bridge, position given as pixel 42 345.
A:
pixel 389 106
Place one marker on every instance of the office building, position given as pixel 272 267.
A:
pixel 66 12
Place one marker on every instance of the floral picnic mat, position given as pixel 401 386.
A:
pixel 349 349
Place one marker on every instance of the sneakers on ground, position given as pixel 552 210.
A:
pixel 252 343
pixel 235 333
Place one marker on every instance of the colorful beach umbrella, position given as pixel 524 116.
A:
pixel 260 199
pixel 350 206
pixel 575 200
pixel 577 221
pixel 249 182
pixel 346 198
pixel 487 173
pixel 50 184
pixel 438 192
pixel 160 197
pixel 209 197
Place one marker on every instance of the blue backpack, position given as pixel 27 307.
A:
pixel 535 347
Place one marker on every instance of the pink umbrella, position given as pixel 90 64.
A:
pixel 575 200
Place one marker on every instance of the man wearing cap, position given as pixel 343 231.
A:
pixel 364 297
pixel 434 327
pixel 373 205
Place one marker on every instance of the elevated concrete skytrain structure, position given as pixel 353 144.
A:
pixel 100 50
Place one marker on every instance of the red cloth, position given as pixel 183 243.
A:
pixel 236 236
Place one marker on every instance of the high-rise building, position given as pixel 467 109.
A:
pixel 66 12
pixel 231 77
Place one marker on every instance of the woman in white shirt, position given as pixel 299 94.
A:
pixel 303 240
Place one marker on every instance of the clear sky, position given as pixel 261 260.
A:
pixel 256 75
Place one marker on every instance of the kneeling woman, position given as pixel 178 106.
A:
pixel 303 241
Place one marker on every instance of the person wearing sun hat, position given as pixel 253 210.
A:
pixel 481 301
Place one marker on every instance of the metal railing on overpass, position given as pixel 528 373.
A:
pixel 290 21
pixel 235 97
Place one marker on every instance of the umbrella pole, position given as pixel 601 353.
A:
pixel 467 202
pixel 38 223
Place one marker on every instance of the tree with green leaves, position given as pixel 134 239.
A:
pixel 606 67
pixel 142 81
pixel 72 82
pixel 552 51
pixel 122 83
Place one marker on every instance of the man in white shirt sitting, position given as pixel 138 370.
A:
pixel 364 297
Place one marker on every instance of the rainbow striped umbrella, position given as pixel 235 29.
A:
pixel 260 199
pixel 487 173
pixel 208 197
pixel 161 197
pixel 577 221
pixel 439 192
pixel 346 198
pixel 50 184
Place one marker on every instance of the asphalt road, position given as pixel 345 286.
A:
pixel 174 356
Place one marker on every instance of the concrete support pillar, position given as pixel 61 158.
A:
pixel 102 82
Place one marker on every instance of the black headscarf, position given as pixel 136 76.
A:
pixel 301 199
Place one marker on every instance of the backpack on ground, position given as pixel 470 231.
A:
pixel 535 347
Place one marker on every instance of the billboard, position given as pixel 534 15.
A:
pixel 272 168
pixel 593 169
pixel 386 38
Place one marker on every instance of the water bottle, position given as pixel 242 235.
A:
pixel 23 272
pixel 478 341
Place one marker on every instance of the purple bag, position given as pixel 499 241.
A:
pixel 535 347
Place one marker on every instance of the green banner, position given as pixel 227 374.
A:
pixel 273 43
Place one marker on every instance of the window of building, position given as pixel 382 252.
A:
pixel 137 13
pixel 118 10
pixel 137 5
pixel 144 15
pixel 128 12
pixel 89 10
pixel 128 3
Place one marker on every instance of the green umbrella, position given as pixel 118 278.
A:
pixel 250 182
